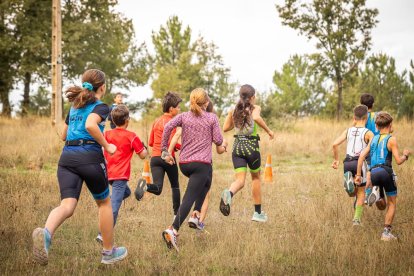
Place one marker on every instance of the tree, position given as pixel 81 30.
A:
pixel 9 54
pixel 299 87
pixel 407 104
pixel 40 102
pixel 33 31
pixel 95 36
pixel 380 78
pixel 342 30
pixel 181 65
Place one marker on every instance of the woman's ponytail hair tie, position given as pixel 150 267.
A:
pixel 87 85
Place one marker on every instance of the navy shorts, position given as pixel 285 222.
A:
pixel 384 178
pixel 71 179
pixel 351 166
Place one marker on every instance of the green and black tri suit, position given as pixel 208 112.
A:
pixel 246 150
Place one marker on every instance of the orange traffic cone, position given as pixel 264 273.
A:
pixel 268 169
pixel 146 173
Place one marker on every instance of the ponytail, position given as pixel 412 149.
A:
pixel 198 98
pixel 243 110
pixel 242 113
pixel 92 79
pixel 80 97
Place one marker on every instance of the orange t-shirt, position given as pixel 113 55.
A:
pixel 126 142
pixel 156 135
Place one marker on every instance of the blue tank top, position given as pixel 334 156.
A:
pixel 77 121
pixel 379 152
pixel 371 123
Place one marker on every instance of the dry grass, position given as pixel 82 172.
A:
pixel 309 229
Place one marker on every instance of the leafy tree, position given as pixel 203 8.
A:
pixel 9 54
pixel 407 104
pixel 95 36
pixel 181 65
pixel 342 30
pixel 299 88
pixel 40 102
pixel 380 78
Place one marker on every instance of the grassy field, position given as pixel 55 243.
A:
pixel 309 229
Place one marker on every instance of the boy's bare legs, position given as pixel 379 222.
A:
pixel 392 205
pixel 60 214
pixel 360 194
pixel 239 183
pixel 106 222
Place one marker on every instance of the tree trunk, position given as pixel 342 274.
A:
pixel 26 94
pixel 4 98
pixel 339 106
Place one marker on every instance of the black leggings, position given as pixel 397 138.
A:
pixel 200 175
pixel 158 168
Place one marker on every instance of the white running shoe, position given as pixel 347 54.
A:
pixel 170 238
pixel 349 185
pixel 356 222
pixel 388 236
pixel 262 217
pixel 374 196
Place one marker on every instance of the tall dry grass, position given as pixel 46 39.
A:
pixel 309 229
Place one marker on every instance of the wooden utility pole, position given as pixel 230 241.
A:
pixel 56 108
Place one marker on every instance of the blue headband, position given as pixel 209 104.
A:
pixel 87 85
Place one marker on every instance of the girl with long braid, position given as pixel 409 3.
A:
pixel 245 119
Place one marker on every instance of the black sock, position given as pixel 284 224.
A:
pixel 231 193
pixel 258 208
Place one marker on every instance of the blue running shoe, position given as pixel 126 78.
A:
pixel 117 254
pixel 225 202
pixel 41 243
pixel 349 185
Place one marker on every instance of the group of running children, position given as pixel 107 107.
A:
pixel 368 172
pixel 83 160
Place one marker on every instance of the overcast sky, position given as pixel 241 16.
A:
pixel 250 37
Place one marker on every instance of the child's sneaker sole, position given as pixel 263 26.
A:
pixel 168 241
pixel 349 185
pixel 140 190
pixel 39 252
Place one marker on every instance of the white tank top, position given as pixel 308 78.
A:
pixel 356 142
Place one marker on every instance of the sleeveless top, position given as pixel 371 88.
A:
pixel 356 141
pixel 77 121
pixel 380 155
pixel 371 122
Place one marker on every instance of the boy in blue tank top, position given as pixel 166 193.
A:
pixel 81 161
pixel 381 150
pixel 368 100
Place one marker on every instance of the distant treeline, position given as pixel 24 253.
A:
pixel 327 83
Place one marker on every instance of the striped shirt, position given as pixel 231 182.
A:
pixel 198 134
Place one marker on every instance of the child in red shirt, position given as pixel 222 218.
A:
pixel 119 164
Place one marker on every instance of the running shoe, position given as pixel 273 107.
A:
pixel 349 185
pixel 117 254
pixel 99 239
pixel 195 223
pixel 141 189
pixel 368 191
pixel 225 202
pixel 262 217
pixel 388 236
pixel 374 196
pixel 356 222
pixel 170 238
pixel 41 243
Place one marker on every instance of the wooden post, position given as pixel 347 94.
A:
pixel 56 108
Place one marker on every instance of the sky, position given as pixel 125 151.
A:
pixel 251 38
